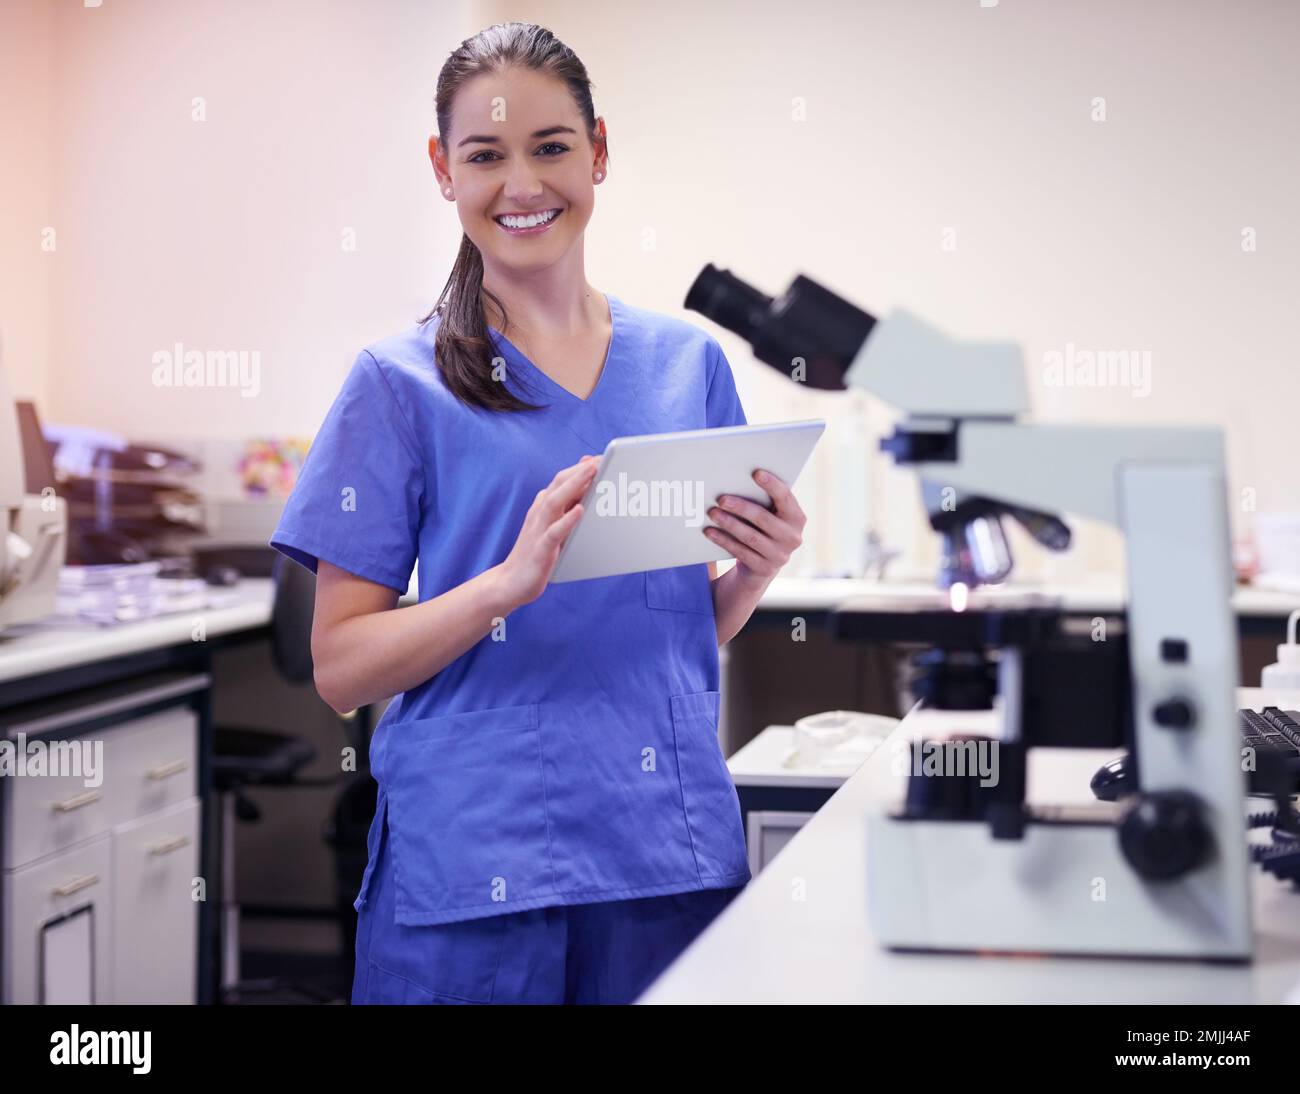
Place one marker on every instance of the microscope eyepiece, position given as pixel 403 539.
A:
pixel 808 333
pixel 728 301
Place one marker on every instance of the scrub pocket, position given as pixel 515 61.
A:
pixel 467 813
pixel 444 963
pixel 680 588
pixel 708 793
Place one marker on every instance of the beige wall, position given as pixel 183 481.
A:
pixel 228 233
pixel 26 200
pixel 920 117
pixel 923 115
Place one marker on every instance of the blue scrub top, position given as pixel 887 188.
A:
pixel 572 756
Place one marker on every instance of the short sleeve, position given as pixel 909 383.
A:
pixel 360 491
pixel 723 405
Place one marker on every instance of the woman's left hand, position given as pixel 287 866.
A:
pixel 762 540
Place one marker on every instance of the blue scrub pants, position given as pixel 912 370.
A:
pixel 607 952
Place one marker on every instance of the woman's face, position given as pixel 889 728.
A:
pixel 517 145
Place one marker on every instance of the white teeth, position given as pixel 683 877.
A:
pixel 529 221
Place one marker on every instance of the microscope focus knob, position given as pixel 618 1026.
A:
pixel 1175 714
pixel 1165 836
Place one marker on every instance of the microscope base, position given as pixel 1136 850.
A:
pixel 1062 889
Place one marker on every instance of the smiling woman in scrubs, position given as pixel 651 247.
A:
pixel 555 820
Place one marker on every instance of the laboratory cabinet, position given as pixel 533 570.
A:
pixel 102 882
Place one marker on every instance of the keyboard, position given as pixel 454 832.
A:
pixel 1270 757
pixel 1274 735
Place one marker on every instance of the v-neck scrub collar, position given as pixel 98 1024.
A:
pixel 615 324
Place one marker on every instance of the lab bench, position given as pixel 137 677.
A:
pixel 124 848
pixel 800 931
pixel 760 689
pixel 1259 611
pixel 129 856
pixel 778 797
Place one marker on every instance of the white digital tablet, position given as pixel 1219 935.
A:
pixel 648 505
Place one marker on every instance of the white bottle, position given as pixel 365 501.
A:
pixel 1285 672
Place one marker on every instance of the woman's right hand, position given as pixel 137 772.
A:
pixel 554 514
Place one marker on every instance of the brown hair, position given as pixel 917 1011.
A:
pixel 463 345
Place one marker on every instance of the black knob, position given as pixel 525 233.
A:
pixel 1175 714
pixel 1165 836
pixel 1114 780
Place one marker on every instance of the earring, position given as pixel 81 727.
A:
pixel 599 176
pixel 447 191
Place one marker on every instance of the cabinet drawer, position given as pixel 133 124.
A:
pixel 155 916
pixel 143 765
pixel 151 763
pixel 47 813
pixel 46 891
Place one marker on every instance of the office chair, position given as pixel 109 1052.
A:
pixel 246 756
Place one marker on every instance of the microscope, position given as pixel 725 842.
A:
pixel 967 863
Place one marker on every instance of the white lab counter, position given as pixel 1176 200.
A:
pixel 799 933
pixel 825 593
pixel 30 649
pixel 139 692
pixel 35 648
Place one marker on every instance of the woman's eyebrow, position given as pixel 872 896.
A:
pixel 535 136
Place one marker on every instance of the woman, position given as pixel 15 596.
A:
pixel 555 820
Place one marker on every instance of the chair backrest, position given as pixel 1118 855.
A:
pixel 291 616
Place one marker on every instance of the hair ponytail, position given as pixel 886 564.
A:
pixel 462 343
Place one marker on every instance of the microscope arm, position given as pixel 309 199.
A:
pixel 915 367
pixel 1060 468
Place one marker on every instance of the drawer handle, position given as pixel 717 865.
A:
pixel 89 797
pixel 167 846
pixel 162 771
pixel 76 885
